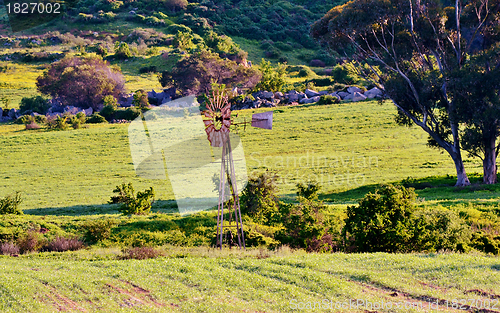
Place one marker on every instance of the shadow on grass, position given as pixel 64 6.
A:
pixel 159 206
pixel 429 188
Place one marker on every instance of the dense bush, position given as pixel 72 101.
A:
pixel 30 241
pixel 130 203
pixel 81 81
pixel 10 204
pixel 37 104
pixel 57 123
pixel 259 199
pixel 273 78
pixel 305 226
pixel 382 221
pixel 327 99
pixel 123 51
pixel 196 73
pixel 128 114
pixel 98 230
pixel 108 112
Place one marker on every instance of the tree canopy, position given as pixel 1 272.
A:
pixel 81 81
pixel 195 74
pixel 428 57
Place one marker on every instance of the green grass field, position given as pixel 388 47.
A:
pixel 344 147
pixel 205 280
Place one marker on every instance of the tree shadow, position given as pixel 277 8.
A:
pixel 159 206
pixel 432 187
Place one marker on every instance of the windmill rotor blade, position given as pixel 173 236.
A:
pixel 263 120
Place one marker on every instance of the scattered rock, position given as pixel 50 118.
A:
pixel 311 93
pixel 12 114
pixel 373 93
pixel 309 100
pixel 278 95
pixel 343 94
pixel 88 112
pixel 263 95
pixel 292 97
pixel 1 112
pixel 353 89
pixel 356 97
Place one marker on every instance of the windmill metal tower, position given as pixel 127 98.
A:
pixel 218 121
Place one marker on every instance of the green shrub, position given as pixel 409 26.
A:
pixel 485 242
pixel 309 191
pixel 98 230
pixel 305 225
pixel 58 123
pixel 305 72
pixel 132 204
pixel 259 199
pixel 439 229
pixel 327 99
pixel 77 120
pixel 37 104
pixel 128 114
pixel 108 112
pixel 273 78
pixel 123 51
pixel 382 221
pixel 10 204
pixel 96 118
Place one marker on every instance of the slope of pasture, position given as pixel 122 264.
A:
pixel 249 282
pixel 343 147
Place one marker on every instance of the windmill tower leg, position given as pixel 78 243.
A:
pixel 236 203
pixel 227 174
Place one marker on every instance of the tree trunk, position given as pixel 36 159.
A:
pixel 490 163
pixel 462 179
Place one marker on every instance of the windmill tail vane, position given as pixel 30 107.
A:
pixel 217 119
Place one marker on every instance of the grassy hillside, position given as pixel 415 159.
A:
pixel 344 147
pixel 211 281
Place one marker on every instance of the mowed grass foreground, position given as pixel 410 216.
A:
pixel 254 281
pixel 343 147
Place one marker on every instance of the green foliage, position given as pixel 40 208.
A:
pixel 97 230
pixel 36 104
pixel 485 242
pixel 141 99
pixel 96 118
pixel 345 74
pixel 439 229
pixel 184 41
pixel 305 225
pixel 128 114
pixel 308 191
pixel 327 100
pixel 58 123
pixel 382 221
pixel 77 120
pixel 132 204
pixel 259 199
pixel 110 100
pixel 108 112
pixel 10 204
pixel 123 51
pixel 273 78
